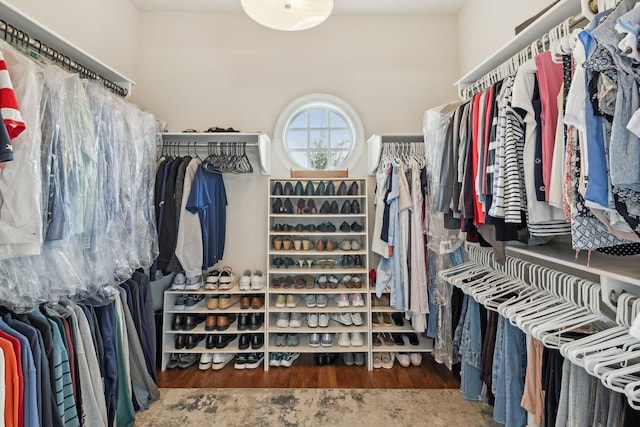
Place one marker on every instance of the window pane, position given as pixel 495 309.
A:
pixel 297 139
pixel 318 118
pixel 337 158
pixel 319 139
pixel 300 121
pixel 340 139
pixel 337 121
pixel 301 158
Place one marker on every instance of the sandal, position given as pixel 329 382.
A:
pixel 346 281
pixel 299 282
pixel 322 281
pixel 276 283
pixel 333 281
pixel 356 281
pixel 286 283
pixel 310 284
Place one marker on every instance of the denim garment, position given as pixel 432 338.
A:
pixel 509 369
pixel 397 290
pixel 470 349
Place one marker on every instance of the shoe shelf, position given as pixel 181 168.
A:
pixel 425 345
pixel 199 313
pixel 297 209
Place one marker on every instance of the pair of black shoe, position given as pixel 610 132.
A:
pixel 280 207
pixel 290 190
pixel 355 227
pixel 349 208
pixel 326 227
pixel 185 322
pixel 280 262
pixel 349 261
pixel 282 227
pixel 188 341
pixel 329 208
pixel 255 341
pixel 325 359
pixel 351 191
pixel 301 228
pixel 219 340
pixel 251 321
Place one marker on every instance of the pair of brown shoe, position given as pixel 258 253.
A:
pixel 218 322
pixel 251 301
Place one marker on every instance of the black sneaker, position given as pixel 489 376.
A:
pixel 187 360
pixel 241 361
pixel 254 360
pixel 173 362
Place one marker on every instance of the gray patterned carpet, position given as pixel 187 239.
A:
pixel 313 407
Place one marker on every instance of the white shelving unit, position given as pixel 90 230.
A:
pixel 201 310
pixel 316 271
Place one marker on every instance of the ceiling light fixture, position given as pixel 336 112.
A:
pixel 288 15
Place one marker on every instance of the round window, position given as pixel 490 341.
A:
pixel 319 132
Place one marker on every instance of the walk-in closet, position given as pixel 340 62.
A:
pixel 319 212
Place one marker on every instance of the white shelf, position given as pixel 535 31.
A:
pixel 374 147
pixel 304 347
pixel 425 345
pixel 20 20
pixel 253 139
pixel 557 14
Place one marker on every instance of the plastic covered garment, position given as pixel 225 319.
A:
pixel 87 159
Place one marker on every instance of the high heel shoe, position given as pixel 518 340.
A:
pixel 301 263
pixel 276 208
pixel 331 262
pixel 320 190
pixel 287 207
pixel 301 206
pixel 346 208
pixel 322 262
pixel 355 207
pixel 342 189
pixel 308 190
pixel 333 209
pixel 325 208
pixel 331 189
pixel 309 262
pixel 288 189
pixel 353 190
pixel 299 189
pixel 311 207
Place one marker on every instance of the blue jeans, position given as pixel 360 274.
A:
pixel 470 350
pixel 509 369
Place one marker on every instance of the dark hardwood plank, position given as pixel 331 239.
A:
pixel 306 374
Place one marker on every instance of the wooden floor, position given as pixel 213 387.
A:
pixel 306 374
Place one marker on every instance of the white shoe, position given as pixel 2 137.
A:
pixel 193 283
pixel 245 281
pixel 342 300
pixel 257 280
pixel 283 320
pixel 281 301
pixel 356 300
pixel 179 282
pixel 205 361
pixel 292 300
pixel 220 360
pixel 387 360
pixel 344 340
pixel 323 320
pixel 296 320
pixel 357 339
pixel 288 359
pixel 356 319
pixel 416 359
pixel 403 359
pixel 342 318
pixel 377 360
pixel 312 320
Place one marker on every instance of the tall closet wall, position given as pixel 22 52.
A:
pixel 476 42
pixel 106 29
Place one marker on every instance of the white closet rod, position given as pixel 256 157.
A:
pixel 18 37
pixel 511 65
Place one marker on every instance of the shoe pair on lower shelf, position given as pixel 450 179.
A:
pixel 215 361
pixel 386 359
pixel 283 359
pixel 351 359
pixel 182 360
pixel 248 361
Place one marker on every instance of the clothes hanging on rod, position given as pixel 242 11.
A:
pixel 522 169
pixel 399 230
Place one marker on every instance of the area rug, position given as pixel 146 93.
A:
pixel 313 407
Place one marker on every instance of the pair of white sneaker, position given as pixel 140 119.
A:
pixel 407 359
pixel 356 300
pixel 318 319
pixel 182 283
pixel 348 319
pixel 250 281
pixel 350 339
pixel 214 361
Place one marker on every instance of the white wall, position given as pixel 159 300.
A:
pixel 484 26
pixel 105 29
pixel 201 70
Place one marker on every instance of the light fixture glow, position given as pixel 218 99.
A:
pixel 288 15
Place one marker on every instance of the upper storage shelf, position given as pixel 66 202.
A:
pixel 36 30
pixel 374 147
pixel 560 12
pixel 256 139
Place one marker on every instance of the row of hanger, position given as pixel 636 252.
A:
pixel 222 157
pixel 560 310
pixel 409 155
pixel 559 40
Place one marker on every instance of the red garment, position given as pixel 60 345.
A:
pixel 488 119
pixel 15 343
pixel 550 79
pixel 478 213
pixel 11 384
pixel 8 103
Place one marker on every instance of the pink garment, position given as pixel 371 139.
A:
pixel 550 81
